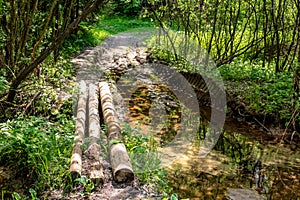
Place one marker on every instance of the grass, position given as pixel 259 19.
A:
pixel 122 24
pixel 40 149
pixel 142 150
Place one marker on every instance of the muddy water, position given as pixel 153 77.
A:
pixel 238 161
pixel 244 162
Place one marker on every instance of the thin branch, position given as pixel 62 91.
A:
pixel 22 75
pixel 31 101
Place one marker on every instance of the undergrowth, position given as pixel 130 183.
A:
pixel 40 149
pixel 36 137
pixel 142 150
pixel 263 91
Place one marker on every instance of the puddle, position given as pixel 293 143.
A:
pixel 242 161
pixel 237 162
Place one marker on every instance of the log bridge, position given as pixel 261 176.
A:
pixel 94 99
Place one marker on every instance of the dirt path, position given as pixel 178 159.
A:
pixel 92 65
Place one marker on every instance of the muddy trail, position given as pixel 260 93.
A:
pixel 153 108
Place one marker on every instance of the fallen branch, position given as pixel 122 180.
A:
pixel 263 126
pixel 29 104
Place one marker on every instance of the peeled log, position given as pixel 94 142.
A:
pixel 120 161
pixel 76 159
pixel 94 119
pixel 93 151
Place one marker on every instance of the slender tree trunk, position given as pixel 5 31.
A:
pixel 27 69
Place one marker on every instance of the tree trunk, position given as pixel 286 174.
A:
pixel 29 68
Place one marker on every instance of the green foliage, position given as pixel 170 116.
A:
pixel 16 196
pixel 168 48
pixel 142 151
pixel 40 149
pixel 39 142
pixel 40 146
pixel 262 90
pixel 90 34
pixel 42 93
pixel 31 31
pixel 87 184
pixel 236 33
pixel 233 28
pixel 174 197
pixel 87 35
pixel 38 139
pixel 246 71
pixel 166 57
pixel 275 96
pixel 33 194
pixel 128 8
pixel 115 25
pixel 3 84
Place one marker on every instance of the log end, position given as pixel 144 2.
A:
pixel 123 174
pixel 76 165
pixel 97 175
pixel 75 174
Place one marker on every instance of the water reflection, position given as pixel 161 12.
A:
pixel 237 161
pixel 243 161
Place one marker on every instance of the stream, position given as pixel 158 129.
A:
pixel 244 164
pixel 238 162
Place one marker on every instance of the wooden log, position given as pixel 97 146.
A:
pixel 120 161
pixel 76 159
pixel 93 152
pixel 94 119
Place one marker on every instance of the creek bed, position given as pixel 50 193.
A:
pixel 243 162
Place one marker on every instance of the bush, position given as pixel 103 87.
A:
pixel 263 91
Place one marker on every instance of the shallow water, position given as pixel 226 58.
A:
pixel 237 161
pixel 244 157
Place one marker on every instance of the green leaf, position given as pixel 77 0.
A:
pixel 16 196
pixel 33 194
pixel 112 142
